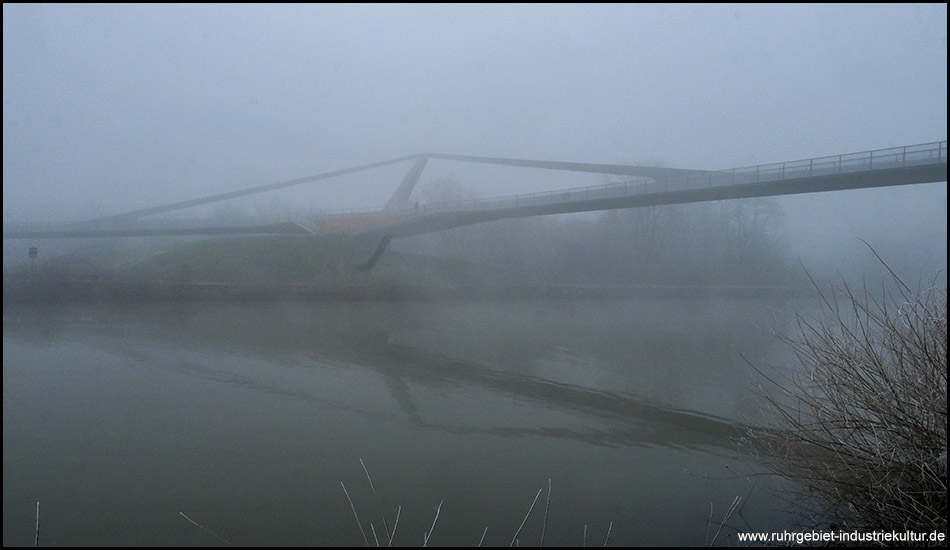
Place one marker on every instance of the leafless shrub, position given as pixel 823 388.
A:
pixel 862 425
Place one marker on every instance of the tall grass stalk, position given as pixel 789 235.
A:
pixel 355 515
pixel 725 518
pixel 209 531
pixel 365 471
pixel 395 525
pixel 530 508
pixel 425 542
pixel 547 506
pixel 481 540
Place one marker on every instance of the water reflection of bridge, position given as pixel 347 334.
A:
pixel 643 186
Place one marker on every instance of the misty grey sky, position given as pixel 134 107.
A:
pixel 108 108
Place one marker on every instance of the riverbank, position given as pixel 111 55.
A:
pixel 52 290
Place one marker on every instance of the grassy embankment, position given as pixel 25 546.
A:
pixel 247 266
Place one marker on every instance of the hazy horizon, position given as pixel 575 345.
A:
pixel 109 108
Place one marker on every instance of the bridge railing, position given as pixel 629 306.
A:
pixel 880 159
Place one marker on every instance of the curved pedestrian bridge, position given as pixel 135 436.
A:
pixel 642 186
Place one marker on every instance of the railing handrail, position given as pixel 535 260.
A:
pixel 728 175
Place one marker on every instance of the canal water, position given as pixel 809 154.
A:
pixel 241 423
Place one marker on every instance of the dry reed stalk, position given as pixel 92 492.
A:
pixel 352 507
pixel 395 525
pixel 525 518
pixel 481 540
pixel 365 471
pixel 209 531
pixel 425 542
pixel 547 506
pixel 729 512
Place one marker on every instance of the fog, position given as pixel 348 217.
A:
pixel 111 108
pixel 240 380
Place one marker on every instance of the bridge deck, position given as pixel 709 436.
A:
pixel 905 165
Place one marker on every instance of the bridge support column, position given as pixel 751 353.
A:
pixel 380 248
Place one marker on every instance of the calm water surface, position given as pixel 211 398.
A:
pixel 246 418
